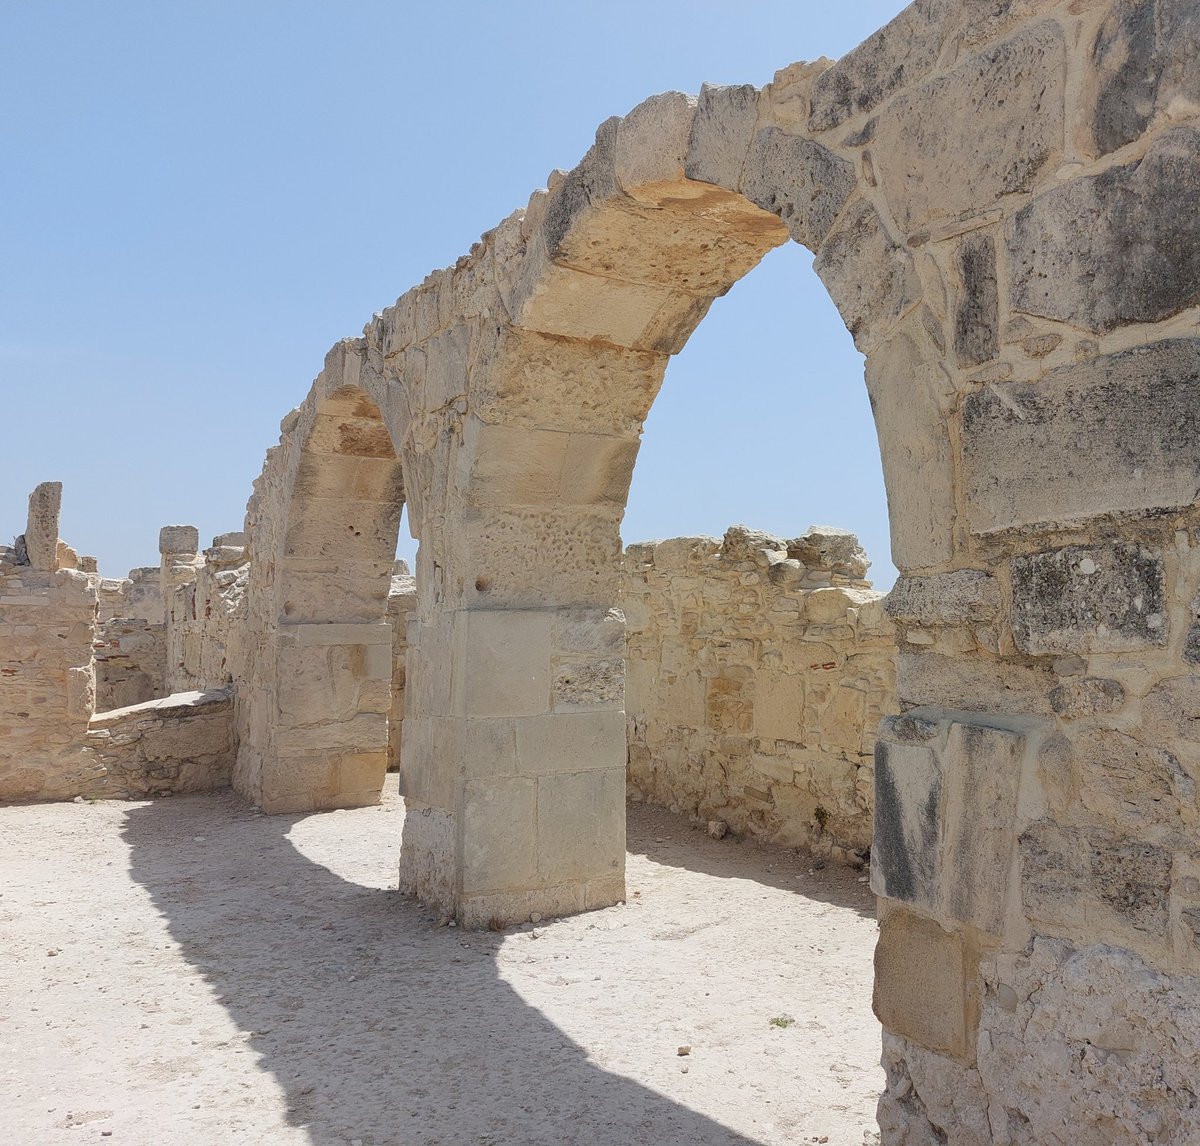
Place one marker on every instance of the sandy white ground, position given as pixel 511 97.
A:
pixel 189 971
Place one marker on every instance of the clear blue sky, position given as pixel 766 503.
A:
pixel 201 198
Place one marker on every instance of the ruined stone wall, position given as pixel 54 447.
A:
pixel 131 641
pixel 47 626
pixel 757 672
pixel 179 743
pixel 205 597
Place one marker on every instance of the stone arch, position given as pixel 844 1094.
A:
pixel 322 525
pixel 1023 279
pixel 1001 199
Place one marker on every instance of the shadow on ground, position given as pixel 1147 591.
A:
pixel 675 841
pixel 379 1025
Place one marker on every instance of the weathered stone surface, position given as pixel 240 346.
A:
pixel 1146 56
pixel 931 1098
pixel 722 130
pixel 1088 880
pixel 977 314
pixel 1137 786
pixel 1096 1048
pixel 899 54
pixel 41 529
pixel 1089 599
pixel 173 539
pixel 1091 696
pixel 945 598
pixel 987 128
pixel 1115 248
pixel 908 803
pixel 870 279
pixel 907 388
pixel 981 775
pixel 803 183
pixel 1173 708
pixel 972 683
pixel 921 979
pixel 1121 432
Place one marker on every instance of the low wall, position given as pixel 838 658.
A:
pixel 758 670
pixel 180 743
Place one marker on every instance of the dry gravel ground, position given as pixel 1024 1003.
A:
pixel 189 971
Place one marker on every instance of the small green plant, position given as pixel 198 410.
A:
pixel 821 815
pixel 782 1022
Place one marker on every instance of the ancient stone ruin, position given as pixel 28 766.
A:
pixel 1003 199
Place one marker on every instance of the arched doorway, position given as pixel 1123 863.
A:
pixel 316 681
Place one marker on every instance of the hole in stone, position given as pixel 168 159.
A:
pixel 483 584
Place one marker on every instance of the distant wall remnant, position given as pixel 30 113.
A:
pixel 131 641
pixel 757 672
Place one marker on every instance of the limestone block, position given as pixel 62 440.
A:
pixel 898 55
pixel 509 465
pixel 977 313
pixel 931 1097
pixel 516 557
pixel 570 742
pixel 563 384
pixel 178 539
pixel 1115 248
pixel 41 530
pixel 651 146
pixel 363 731
pixel 982 773
pixel 1145 58
pixel 906 389
pixel 595 631
pixel 1088 696
pixel 827 547
pixel 1116 433
pixel 580 685
pixel 1088 881
pixel 722 130
pixel 945 598
pixel 1172 708
pixel 779 706
pixel 871 280
pixel 499 834
pixel 581 825
pixel 923 977
pixel 1090 1044
pixel 1089 599
pixel 951 147
pixel 1127 783
pixel 507 662
pixel 908 800
pixel 803 183
pixel 977 683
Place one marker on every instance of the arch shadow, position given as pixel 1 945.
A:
pixel 292 950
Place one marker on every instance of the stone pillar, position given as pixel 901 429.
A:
pixel 41 532
pixel 177 545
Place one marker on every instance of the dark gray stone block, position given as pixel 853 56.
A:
pixel 1089 599
pixel 1117 433
pixel 977 314
pixel 1115 248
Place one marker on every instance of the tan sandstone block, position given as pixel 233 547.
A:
pixel 922 978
